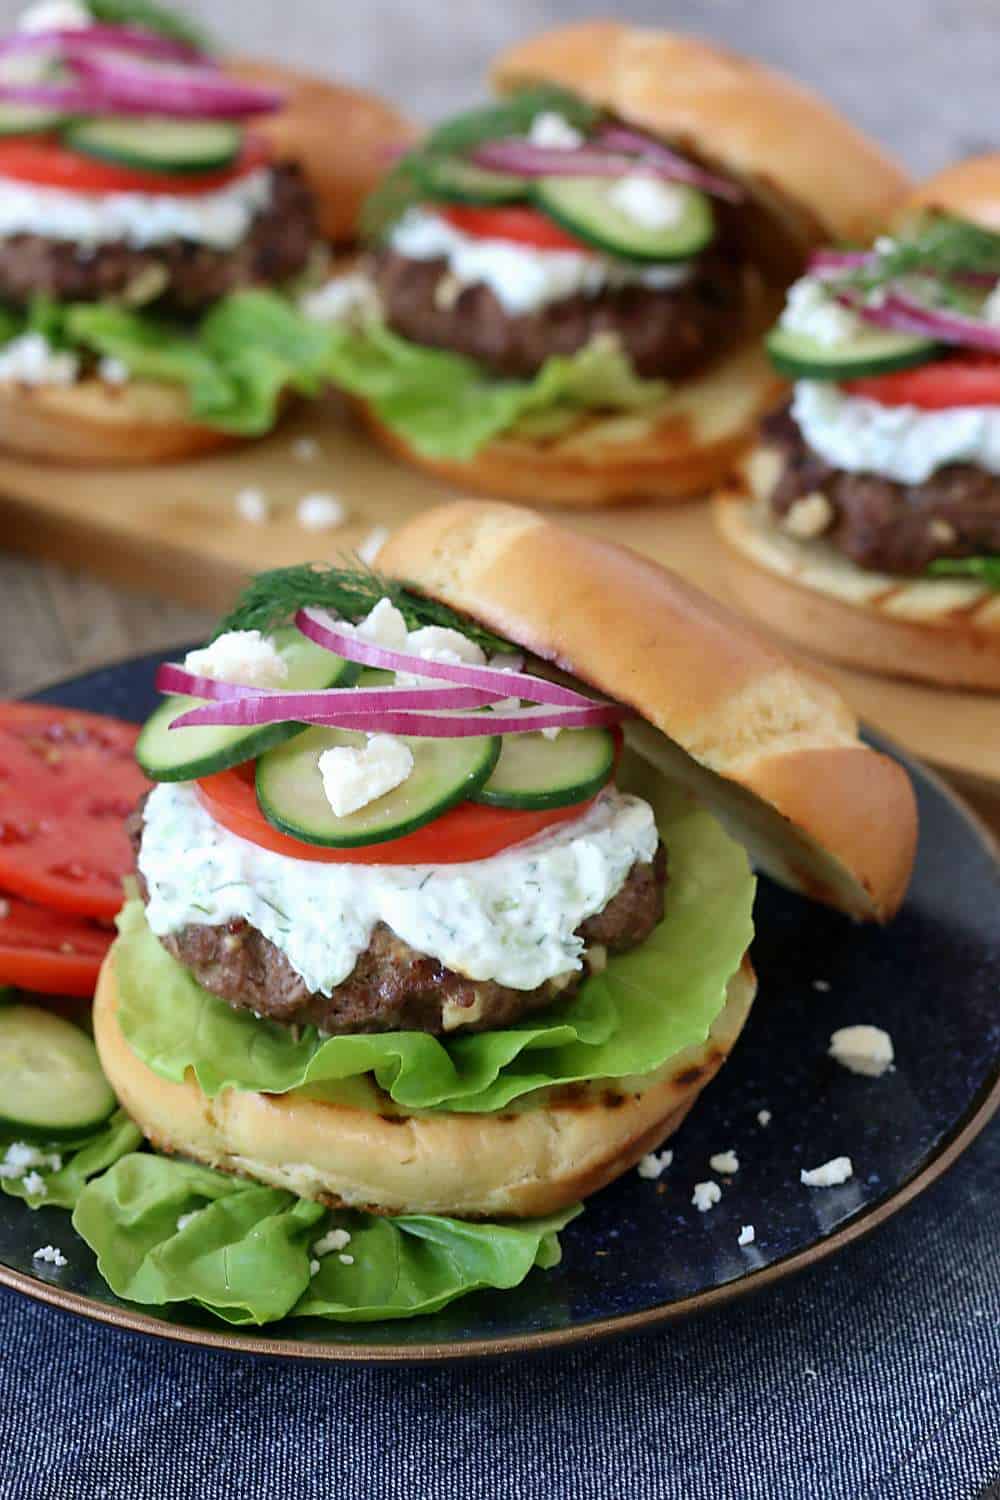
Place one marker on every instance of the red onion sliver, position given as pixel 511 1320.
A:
pixel 841 260
pixel 126 83
pixel 676 167
pixel 903 314
pixel 124 38
pixel 321 627
pixel 172 678
pixel 322 704
pixel 524 159
pixel 441 726
pixel 71 97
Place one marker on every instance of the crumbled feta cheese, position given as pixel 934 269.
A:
pixel 185 1219
pixel 354 777
pixel 507 661
pixel 726 1162
pixel 383 625
pixel 253 505
pixel 336 1239
pixel 764 1117
pixel 31 360
pixel 822 986
pixel 553 130
pixel 33 1184
pixel 552 732
pixel 51 1255
pixel 55 15
pixel 19 1158
pixel 339 298
pixel 813 312
pixel 747 1235
pixel 506 706
pixel 369 549
pixel 314 1268
pixel 830 1174
pixel 430 640
pixel 305 449
pixel 346 1260
pixel 647 201
pixel 863 1049
pixel 112 371
pixel 706 1195
pixel 655 1164
pixel 320 512
pixel 242 656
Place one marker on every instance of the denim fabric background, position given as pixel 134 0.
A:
pixel 876 1375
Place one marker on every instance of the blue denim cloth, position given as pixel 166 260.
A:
pixel 874 1377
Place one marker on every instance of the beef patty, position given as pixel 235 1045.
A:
pixel 665 333
pixel 879 523
pixel 178 276
pixel 393 987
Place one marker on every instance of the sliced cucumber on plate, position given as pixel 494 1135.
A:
pixel 450 180
pixel 158 145
pixel 872 351
pixel 535 772
pixel 28 119
pixel 291 795
pixel 167 754
pixel 51 1084
pixel 586 207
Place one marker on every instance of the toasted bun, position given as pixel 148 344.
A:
pixel 679 449
pixel 942 630
pixel 525 1161
pixel 968 190
pixel 817 175
pixel 341 137
pixel 93 422
pixel 772 748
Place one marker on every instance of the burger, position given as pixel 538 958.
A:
pixel 865 523
pixel 442 908
pixel 565 288
pixel 159 218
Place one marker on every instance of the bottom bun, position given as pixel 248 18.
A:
pixel 944 631
pixel 526 1161
pixel 95 422
pixel 680 448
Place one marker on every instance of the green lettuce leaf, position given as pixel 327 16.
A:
pixel 646 1006
pixel 448 407
pixel 81 1160
pixel 246 1253
pixel 983 569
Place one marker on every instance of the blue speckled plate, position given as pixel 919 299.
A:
pixel 641 1253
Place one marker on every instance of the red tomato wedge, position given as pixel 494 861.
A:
pixel 524 226
pixel 49 951
pixel 68 781
pixel 963 380
pixel 47 163
pixel 467 832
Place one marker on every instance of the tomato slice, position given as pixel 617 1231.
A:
pixel 960 380
pixel 467 832
pixel 523 226
pixel 52 952
pixel 68 781
pixel 48 163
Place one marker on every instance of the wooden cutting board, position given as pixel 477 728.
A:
pixel 176 530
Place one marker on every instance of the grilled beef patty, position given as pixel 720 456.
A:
pixel 664 333
pixel 178 276
pixel 879 523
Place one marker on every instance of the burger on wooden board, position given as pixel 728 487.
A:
pixel 566 287
pixel 866 522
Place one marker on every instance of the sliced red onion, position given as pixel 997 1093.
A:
pixel 841 260
pixel 675 167
pixel 524 159
pixel 132 85
pixel 124 38
pixel 440 726
pixel 173 678
pixel 903 314
pixel 321 627
pixel 325 705
pixel 73 98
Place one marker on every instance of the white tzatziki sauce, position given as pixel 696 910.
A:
pixel 219 219
pixel 903 443
pixel 523 278
pixel 510 918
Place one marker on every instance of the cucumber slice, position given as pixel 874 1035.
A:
pixel 51 1084
pixel 291 796
pixel 185 754
pixel 453 181
pixel 586 207
pixel 158 145
pixel 535 772
pixel 27 119
pixel 876 351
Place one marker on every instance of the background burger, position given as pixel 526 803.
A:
pixel 158 220
pixel 565 288
pixel 866 525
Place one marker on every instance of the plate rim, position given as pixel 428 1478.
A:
pixel 594 1330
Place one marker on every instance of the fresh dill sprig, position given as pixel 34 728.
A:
pixel 272 598
pixel 984 569
pixel 949 251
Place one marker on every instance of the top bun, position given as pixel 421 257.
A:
pixel 771 748
pixel 339 135
pixel 818 176
pixel 969 190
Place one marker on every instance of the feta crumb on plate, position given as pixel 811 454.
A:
pixel 822 985
pixel 253 505
pixel 320 512
pixel 831 1174
pixel 747 1235
pixel 655 1164
pixel 20 1158
pixel 240 656
pixel 336 1239
pixel 369 549
pixel 353 777
pixel 705 1196
pixel 51 1256
pixel 763 1117
pixel 33 1184
pixel 726 1162
pixel 863 1049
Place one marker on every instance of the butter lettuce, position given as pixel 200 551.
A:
pixel 448 407
pixel 646 1006
pixel 981 569
pixel 246 1253
pixel 81 1160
